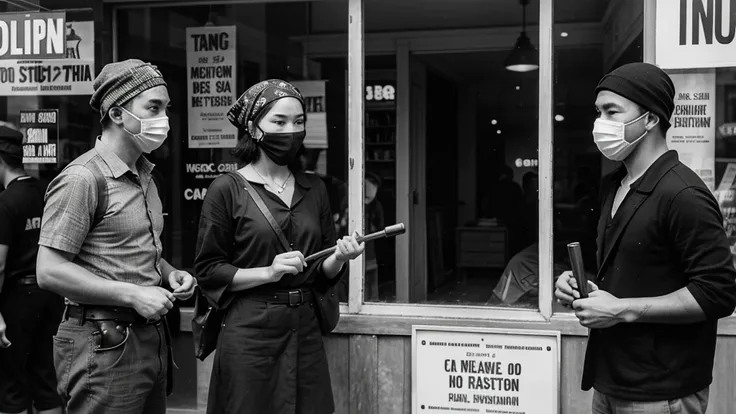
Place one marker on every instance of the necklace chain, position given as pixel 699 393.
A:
pixel 279 188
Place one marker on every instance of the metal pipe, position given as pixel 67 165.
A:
pixel 390 231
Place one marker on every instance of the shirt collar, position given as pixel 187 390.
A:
pixel 302 180
pixel 646 183
pixel 117 167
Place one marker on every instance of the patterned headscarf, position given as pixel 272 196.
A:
pixel 257 97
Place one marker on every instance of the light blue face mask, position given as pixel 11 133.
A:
pixel 610 137
pixel 153 132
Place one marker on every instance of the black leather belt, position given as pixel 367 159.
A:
pixel 292 298
pixel 84 313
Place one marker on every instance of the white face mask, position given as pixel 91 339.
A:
pixel 610 137
pixel 153 132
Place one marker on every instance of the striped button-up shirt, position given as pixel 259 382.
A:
pixel 126 244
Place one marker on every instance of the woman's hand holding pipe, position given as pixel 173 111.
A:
pixel 348 248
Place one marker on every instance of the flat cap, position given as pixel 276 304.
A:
pixel 11 140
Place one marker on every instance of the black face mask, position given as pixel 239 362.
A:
pixel 281 147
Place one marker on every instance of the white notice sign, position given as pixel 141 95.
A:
pixel 693 131
pixel 211 82
pixel 476 370
pixel 695 34
pixel 72 75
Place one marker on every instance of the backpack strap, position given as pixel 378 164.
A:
pixel 102 197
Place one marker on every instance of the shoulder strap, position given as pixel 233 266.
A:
pixel 264 209
pixel 101 194
pixel 102 202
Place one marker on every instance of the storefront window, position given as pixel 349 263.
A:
pixel 456 155
pixel 237 45
pixel 22 94
pixel 269 42
pixel 724 130
pixel 578 165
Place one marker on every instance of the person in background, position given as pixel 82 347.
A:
pixel 336 189
pixel 665 272
pixel 31 315
pixel 270 357
pixel 111 350
pixel 373 222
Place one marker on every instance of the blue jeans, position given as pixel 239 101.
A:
pixel 126 378
pixel 692 404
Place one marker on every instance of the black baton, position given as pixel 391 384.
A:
pixel 390 231
pixel 578 271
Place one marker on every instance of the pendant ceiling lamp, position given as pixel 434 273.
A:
pixel 524 57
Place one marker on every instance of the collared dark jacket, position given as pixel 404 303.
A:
pixel 667 234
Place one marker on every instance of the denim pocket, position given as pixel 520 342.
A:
pixel 115 372
pixel 63 353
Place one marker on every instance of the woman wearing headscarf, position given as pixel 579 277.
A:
pixel 270 357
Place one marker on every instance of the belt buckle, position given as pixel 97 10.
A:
pixel 296 298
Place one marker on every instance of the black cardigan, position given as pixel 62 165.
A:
pixel 667 234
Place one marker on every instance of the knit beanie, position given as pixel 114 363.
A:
pixel 645 84
pixel 120 82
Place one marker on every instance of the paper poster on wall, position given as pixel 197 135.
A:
pixel 72 75
pixel 316 103
pixel 480 370
pixel 211 82
pixel 41 136
pixel 693 122
pixel 695 34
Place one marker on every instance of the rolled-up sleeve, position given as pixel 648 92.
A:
pixel 329 239
pixel 696 227
pixel 213 253
pixel 71 200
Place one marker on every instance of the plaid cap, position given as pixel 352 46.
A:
pixel 257 97
pixel 120 82
pixel 11 140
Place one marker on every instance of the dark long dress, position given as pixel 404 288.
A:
pixel 270 358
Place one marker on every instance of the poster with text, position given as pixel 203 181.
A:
pixel 72 75
pixel 211 83
pixel 693 128
pixel 41 136
pixel 694 34
pixel 316 108
pixel 458 369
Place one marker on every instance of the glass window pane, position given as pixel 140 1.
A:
pixel 273 40
pixel 456 154
pixel 582 56
pixel 725 150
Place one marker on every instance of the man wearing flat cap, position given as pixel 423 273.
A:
pixel 100 248
pixel 31 314
pixel 665 269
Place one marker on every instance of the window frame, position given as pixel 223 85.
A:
pixel 359 317
pixel 356 147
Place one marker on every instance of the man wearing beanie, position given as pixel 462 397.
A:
pixel 665 269
pixel 32 315
pixel 100 248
